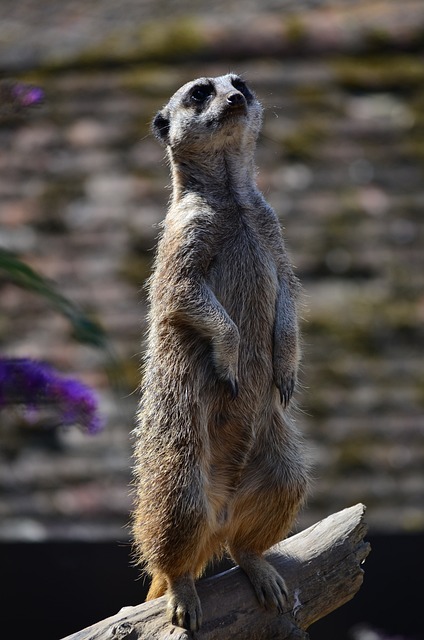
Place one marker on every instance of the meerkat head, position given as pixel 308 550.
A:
pixel 209 114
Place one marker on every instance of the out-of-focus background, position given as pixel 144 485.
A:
pixel 83 188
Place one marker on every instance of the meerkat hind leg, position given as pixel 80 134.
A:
pixel 269 586
pixel 158 586
pixel 184 608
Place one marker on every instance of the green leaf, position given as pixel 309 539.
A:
pixel 85 330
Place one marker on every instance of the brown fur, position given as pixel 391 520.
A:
pixel 218 466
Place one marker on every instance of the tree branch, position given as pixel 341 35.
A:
pixel 321 567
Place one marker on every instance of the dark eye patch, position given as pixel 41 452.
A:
pixel 241 86
pixel 200 93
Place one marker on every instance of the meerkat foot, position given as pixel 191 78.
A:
pixel 184 608
pixel 269 586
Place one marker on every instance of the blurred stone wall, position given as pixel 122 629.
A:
pixel 84 186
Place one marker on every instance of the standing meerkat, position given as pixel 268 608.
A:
pixel 217 465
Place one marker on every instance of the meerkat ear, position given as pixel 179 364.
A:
pixel 160 126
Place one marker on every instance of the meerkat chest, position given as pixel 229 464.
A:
pixel 243 273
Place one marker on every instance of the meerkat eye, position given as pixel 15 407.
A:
pixel 201 93
pixel 242 87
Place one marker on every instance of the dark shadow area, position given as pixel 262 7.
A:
pixel 53 590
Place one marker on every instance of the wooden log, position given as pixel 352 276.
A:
pixel 322 570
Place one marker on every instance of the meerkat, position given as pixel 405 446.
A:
pixel 218 466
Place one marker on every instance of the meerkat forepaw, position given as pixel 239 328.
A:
pixel 233 388
pixel 286 389
pixel 229 379
pixel 225 358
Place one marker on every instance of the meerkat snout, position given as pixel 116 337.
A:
pixel 235 99
pixel 236 103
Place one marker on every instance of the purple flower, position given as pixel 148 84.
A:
pixel 27 95
pixel 17 96
pixel 34 384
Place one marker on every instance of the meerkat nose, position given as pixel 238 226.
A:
pixel 235 99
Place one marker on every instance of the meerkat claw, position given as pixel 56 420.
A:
pixel 189 619
pixel 233 385
pixel 286 392
pixel 184 609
